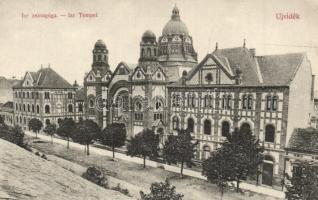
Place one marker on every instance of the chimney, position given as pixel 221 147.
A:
pixel 253 51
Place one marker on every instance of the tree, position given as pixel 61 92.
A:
pixel 35 125
pixel 161 191
pixel 50 129
pixel 216 169
pixel 145 143
pixel 114 136
pixel 180 149
pixel 65 129
pixel 243 154
pixel 303 185
pixel 85 132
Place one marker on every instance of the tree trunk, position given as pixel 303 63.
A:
pixel 144 161
pixel 68 143
pixel 36 134
pixel 113 152
pixel 52 139
pixel 88 149
pixel 237 185
pixel 222 192
pixel 85 148
pixel 182 168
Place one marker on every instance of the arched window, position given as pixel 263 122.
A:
pixel 32 108
pixel 245 127
pixel 191 100
pixel 158 104
pixel 229 102
pixel 70 108
pixel 20 120
pixel 80 107
pixel 24 107
pixel 47 109
pixel 208 101
pixel 99 57
pixel 190 124
pixel 244 101
pixel 47 122
pixel 37 109
pixel 104 57
pixel 223 102
pixel 138 105
pixel 16 106
pixel 28 95
pixel 28 107
pixel 225 128
pixel 155 52
pixel 274 103
pixel 206 152
pixel 59 120
pixel 207 127
pixel 148 52
pixel 268 102
pixel 175 123
pixel 250 102
pixel 142 52
pixel 91 103
pixel 269 133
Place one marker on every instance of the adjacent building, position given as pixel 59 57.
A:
pixel 44 95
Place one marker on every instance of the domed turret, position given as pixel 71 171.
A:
pixel 148 46
pixel 148 36
pixel 100 55
pixel 175 26
pixel 100 44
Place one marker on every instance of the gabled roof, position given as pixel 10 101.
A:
pixel 271 70
pixel 48 78
pixel 242 58
pixel 304 141
pixel 279 69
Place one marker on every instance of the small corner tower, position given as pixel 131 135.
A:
pixel 148 47
pixel 100 56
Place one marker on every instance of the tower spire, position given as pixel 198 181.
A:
pixel 175 13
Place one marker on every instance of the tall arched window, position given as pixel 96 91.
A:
pixel 23 107
pixel 91 103
pixel 37 109
pixel 16 106
pixel 206 152
pixel 175 123
pixel 207 127
pixel 99 57
pixel 142 52
pixel 274 103
pixel 29 108
pixel 245 127
pixel 47 109
pixel 33 108
pixel 269 133
pixel 250 102
pixel 70 108
pixel 47 122
pixel 225 128
pixel 191 100
pixel 148 52
pixel 190 124
pixel 208 101
pixel 138 110
pixel 244 101
pixel 80 107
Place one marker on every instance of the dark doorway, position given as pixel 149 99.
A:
pixel 267 175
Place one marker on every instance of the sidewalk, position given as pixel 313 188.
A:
pixel 104 152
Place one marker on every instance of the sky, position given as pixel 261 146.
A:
pixel 66 43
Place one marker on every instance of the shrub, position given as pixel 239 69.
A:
pixel 121 190
pixel 96 175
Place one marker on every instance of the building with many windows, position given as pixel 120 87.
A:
pixel 44 95
pixel 230 88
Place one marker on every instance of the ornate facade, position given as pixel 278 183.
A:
pixel 168 89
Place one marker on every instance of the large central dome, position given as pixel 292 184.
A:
pixel 175 26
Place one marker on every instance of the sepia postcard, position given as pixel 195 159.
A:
pixel 159 100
